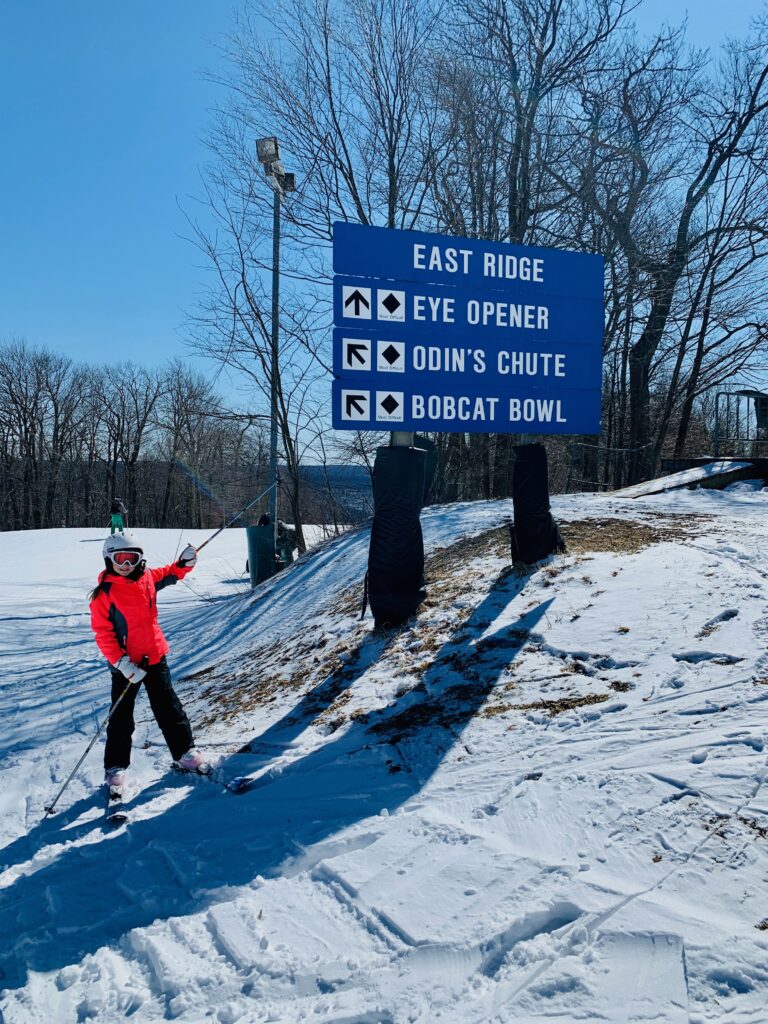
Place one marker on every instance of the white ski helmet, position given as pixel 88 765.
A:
pixel 123 551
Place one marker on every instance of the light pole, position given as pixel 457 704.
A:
pixel 268 152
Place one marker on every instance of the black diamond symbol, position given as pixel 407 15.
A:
pixel 391 303
pixel 390 404
pixel 391 354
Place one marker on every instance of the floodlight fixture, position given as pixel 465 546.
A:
pixel 268 150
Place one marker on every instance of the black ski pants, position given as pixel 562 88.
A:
pixel 166 707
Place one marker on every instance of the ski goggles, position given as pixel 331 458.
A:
pixel 127 557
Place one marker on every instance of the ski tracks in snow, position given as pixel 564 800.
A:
pixel 543 802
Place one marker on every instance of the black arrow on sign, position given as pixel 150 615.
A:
pixel 359 299
pixel 352 403
pixel 355 350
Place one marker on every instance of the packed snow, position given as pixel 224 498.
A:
pixel 542 800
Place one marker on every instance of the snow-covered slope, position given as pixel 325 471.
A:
pixel 541 801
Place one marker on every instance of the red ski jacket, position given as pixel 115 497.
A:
pixel 124 614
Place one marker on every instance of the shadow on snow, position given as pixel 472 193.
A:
pixel 174 863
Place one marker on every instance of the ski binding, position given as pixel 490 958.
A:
pixel 116 813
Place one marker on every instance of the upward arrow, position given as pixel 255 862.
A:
pixel 359 299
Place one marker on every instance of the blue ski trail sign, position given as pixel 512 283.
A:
pixel 455 334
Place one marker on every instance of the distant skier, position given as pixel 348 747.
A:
pixel 124 619
pixel 118 516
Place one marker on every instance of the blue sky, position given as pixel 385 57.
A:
pixel 102 109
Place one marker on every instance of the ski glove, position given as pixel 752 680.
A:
pixel 188 557
pixel 133 673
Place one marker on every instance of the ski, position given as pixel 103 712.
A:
pixel 241 783
pixel 204 770
pixel 237 784
pixel 116 813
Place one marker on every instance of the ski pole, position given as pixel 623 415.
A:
pixel 49 807
pixel 235 517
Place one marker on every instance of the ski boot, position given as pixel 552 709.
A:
pixel 192 761
pixel 114 779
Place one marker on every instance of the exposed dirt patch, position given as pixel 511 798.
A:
pixel 445 571
pixel 621 687
pixel 624 536
pixel 459 556
pixel 560 704
pixel 707 631
pixel 511 638
pixel 423 713
pixel 492 710
pixel 724 826
pixel 582 536
pixel 717 824
pixel 456 575
pixel 329 669
pixel 753 825
pixel 456 707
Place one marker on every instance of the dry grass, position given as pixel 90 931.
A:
pixel 259 680
pixel 753 825
pixel 448 570
pixel 553 707
pixel 423 713
pixel 622 536
pixel 621 687
pixel 451 573
pixel 493 542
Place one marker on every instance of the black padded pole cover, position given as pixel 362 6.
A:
pixel 396 555
pixel 534 532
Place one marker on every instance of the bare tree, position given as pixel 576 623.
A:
pixel 530 55
pixel 41 411
pixel 134 393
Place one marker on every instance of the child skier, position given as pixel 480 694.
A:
pixel 118 516
pixel 124 619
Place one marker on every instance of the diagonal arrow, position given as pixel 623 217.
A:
pixel 359 299
pixel 355 350
pixel 353 403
